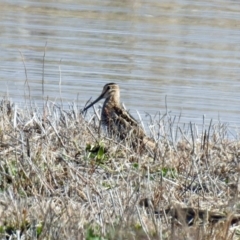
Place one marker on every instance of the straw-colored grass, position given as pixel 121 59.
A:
pixel 61 177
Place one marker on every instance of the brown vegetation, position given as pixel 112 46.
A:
pixel 62 178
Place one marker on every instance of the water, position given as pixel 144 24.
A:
pixel 183 54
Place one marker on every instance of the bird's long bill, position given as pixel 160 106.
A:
pixel 90 105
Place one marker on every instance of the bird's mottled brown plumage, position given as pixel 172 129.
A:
pixel 117 120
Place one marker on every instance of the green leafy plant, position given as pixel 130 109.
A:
pixel 97 152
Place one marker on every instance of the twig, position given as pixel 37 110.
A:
pixel 26 81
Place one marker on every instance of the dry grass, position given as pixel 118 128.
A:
pixel 62 178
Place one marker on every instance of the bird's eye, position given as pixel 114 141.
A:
pixel 108 88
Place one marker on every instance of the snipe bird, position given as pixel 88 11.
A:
pixel 117 120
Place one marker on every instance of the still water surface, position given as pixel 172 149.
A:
pixel 185 53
